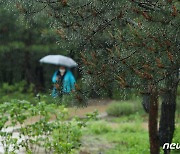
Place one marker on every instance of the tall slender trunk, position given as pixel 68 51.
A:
pixel 153 121
pixel 168 108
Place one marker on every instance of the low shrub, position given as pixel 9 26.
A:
pixel 20 87
pixel 121 108
pixel 50 131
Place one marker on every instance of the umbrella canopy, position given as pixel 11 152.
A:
pixel 58 60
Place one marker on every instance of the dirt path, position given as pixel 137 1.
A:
pixel 99 105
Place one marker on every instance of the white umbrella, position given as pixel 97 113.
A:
pixel 59 60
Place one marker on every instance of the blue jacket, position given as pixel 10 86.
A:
pixel 68 83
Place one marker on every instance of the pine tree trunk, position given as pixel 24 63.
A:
pixel 153 121
pixel 168 108
pixel 146 102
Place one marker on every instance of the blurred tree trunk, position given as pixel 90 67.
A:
pixel 27 58
pixel 39 84
pixel 110 93
pixel 153 121
pixel 27 67
pixel 168 108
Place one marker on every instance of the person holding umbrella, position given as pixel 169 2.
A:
pixel 63 79
pixel 64 82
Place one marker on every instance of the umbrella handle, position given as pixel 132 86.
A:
pixel 57 86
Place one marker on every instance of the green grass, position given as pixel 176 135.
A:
pixel 124 135
pixel 176 138
pixel 99 127
pixel 129 139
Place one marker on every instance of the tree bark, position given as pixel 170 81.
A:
pixel 146 102
pixel 153 121
pixel 168 108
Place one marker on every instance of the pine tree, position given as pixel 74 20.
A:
pixel 124 44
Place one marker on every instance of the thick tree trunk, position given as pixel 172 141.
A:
pixel 168 108
pixel 153 121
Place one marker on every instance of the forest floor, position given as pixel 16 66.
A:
pixel 117 135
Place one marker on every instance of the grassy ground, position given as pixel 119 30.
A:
pixel 118 135
pixel 127 133
pixel 123 135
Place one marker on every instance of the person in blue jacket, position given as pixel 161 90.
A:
pixel 64 82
